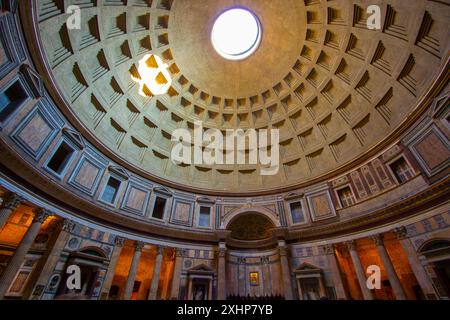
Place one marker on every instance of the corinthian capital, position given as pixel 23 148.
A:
pixel 11 201
pixel 378 240
pixel 40 215
pixel 119 241
pixel 329 249
pixel 181 253
pixel 401 233
pixel 351 245
pixel 222 253
pixel 140 245
pixel 159 250
pixel 68 225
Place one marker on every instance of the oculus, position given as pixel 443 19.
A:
pixel 236 34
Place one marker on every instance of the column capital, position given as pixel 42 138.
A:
pixel 283 251
pixel 68 225
pixel 180 252
pixel 351 245
pixel 242 260
pixel 329 249
pixel 265 260
pixel 139 246
pixel 221 253
pixel 11 201
pixel 160 250
pixel 119 241
pixel 378 239
pixel 401 233
pixel 40 215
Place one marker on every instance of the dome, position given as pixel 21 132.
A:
pixel 226 149
pixel 334 93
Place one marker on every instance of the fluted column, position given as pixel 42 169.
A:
pixel 334 266
pixel 367 294
pixel 285 270
pixel 49 261
pixel 221 272
pixel 119 243
pixel 416 265
pixel 389 267
pixel 156 273
pixel 9 205
pixel 133 270
pixel 17 259
pixel 174 292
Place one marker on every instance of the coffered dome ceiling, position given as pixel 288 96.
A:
pixel 335 89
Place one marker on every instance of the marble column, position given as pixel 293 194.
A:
pixel 416 265
pixel 9 205
pixel 335 270
pixel 175 290
pixel 285 270
pixel 109 277
pixel 165 291
pixel 389 267
pixel 156 273
pixel 133 270
pixel 221 272
pixel 48 262
pixel 21 251
pixel 367 294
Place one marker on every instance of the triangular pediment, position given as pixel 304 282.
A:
pixel 440 106
pixel 294 195
pixel 205 200
pixel 201 268
pixel 34 80
pixel 163 191
pixel 75 137
pixel 119 171
pixel 308 267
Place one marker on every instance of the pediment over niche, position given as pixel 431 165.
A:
pixel 163 191
pixel 75 137
pixel 294 195
pixel 440 106
pixel 201 269
pixel 120 172
pixel 206 200
pixel 34 80
pixel 307 268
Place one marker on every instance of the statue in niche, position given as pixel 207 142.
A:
pixel 200 292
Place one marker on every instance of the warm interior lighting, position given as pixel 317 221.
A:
pixel 236 34
pixel 154 78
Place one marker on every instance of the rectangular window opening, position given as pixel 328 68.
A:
pixel 111 190
pixel 297 212
pixel 159 208
pixel 205 217
pixel 402 170
pixel 346 197
pixel 60 158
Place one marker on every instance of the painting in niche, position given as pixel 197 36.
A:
pixel 254 278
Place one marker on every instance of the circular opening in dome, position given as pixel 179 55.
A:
pixel 236 34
